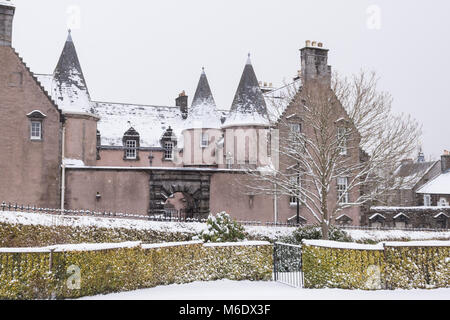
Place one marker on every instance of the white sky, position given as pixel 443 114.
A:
pixel 147 52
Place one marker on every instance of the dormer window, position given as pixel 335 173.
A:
pixel 168 146
pixel 131 152
pixel 131 144
pixel 168 143
pixel 36 125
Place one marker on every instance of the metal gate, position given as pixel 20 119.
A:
pixel 287 264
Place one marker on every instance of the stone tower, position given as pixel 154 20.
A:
pixel 314 60
pixel 6 21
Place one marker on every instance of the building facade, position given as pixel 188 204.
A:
pixel 62 149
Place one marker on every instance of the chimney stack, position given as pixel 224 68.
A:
pixel 314 59
pixel 182 103
pixel 445 161
pixel 7 10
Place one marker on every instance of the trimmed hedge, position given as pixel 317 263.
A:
pixel 417 267
pixel 28 275
pixel 341 268
pixel 18 235
pixel 391 266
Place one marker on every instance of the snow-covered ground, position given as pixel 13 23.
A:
pixel 194 228
pixel 260 290
pixel 383 235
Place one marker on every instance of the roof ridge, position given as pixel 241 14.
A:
pixel 135 104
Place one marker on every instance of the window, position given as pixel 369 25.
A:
pixel 294 130
pixel 342 141
pixel 443 202
pixel 168 155
pixel 342 186
pixel 427 200
pixel 205 140
pixel 296 184
pixel 131 149
pixel 36 130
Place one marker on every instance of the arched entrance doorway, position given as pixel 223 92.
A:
pixel 192 184
pixel 180 205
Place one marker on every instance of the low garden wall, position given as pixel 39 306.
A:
pixel 72 271
pixel 390 265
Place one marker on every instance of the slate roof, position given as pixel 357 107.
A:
pixel 411 173
pixel 249 106
pixel 203 111
pixel 68 88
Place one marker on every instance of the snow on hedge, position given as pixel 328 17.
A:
pixel 343 245
pixel 379 246
pixel 237 244
pixel 99 222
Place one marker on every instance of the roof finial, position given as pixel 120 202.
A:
pixel 249 61
pixel 69 36
pixel 203 70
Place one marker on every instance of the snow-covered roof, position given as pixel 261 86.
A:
pixel 68 88
pixel 203 112
pixel 70 91
pixel 151 122
pixel 249 106
pixel 441 214
pixel 7 3
pixel 342 216
pixel 377 215
pixel 439 185
pixel 400 215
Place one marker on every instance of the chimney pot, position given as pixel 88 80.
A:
pixel 320 44
pixel 314 43
pixel 308 43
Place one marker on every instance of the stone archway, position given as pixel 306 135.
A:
pixel 195 183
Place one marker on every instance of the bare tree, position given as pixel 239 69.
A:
pixel 338 147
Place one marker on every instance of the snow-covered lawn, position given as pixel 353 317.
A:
pixel 272 233
pixel 260 290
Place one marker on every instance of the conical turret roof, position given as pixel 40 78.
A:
pixel 249 106
pixel 203 112
pixel 72 93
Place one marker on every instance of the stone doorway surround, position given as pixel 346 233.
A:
pixel 195 183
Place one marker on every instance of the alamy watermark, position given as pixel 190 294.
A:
pixel 258 147
pixel 73 17
pixel 74 280
pixel 374 17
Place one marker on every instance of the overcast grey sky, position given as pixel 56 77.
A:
pixel 147 52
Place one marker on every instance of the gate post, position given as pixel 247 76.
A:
pixel 275 262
